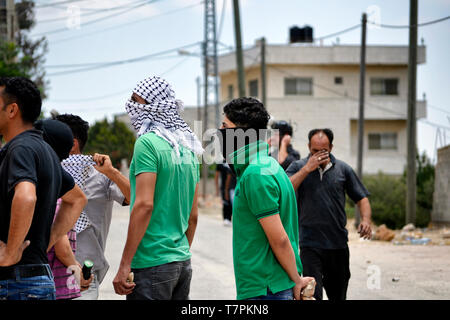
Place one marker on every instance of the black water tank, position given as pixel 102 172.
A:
pixel 297 34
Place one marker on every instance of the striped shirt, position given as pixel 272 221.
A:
pixel 65 282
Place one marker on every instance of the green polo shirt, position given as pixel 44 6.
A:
pixel 263 189
pixel 165 240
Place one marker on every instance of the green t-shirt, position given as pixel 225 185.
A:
pixel 177 176
pixel 263 189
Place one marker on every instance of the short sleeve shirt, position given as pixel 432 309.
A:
pixel 177 176
pixel 27 157
pixel 262 191
pixel 321 204
pixel 101 193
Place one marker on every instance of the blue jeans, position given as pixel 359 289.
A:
pixel 282 295
pixel 28 288
pixel 170 281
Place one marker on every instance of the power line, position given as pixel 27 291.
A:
pixel 124 24
pixel 120 92
pixel 440 109
pixel 436 125
pixel 51 4
pixel 98 11
pixel 94 66
pixel 356 26
pixel 222 18
pixel 407 26
pixel 99 19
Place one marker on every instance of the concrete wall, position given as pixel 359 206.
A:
pixel 441 198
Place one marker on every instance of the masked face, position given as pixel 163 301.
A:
pixel 232 139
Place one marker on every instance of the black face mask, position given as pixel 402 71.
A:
pixel 232 139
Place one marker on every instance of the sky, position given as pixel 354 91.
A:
pixel 100 34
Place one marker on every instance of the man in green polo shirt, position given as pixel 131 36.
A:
pixel 265 225
pixel 164 175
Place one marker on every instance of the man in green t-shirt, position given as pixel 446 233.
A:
pixel 164 175
pixel 265 225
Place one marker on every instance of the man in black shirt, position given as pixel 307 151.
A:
pixel 31 180
pixel 321 182
pixel 284 152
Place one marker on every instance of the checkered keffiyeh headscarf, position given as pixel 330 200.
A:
pixel 161 115
pixel 78 166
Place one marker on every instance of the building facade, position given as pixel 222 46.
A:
pixel 8 20
pixel 314 86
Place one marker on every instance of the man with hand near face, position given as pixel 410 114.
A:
pixel 321 182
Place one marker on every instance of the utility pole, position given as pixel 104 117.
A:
pixel 211 82
pixel 411 121
pixel 263 71
pixel 205 121
pixel 362 78
pixel 199 99
pixel 239 57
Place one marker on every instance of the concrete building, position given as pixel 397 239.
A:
pixel 316 86
pixel 8 20
pixel 441 199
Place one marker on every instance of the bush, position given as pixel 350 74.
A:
pixel 387 199
pixel 388 196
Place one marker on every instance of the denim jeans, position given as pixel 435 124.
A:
pixel 171 281
pixel 30 288
pixel 282 295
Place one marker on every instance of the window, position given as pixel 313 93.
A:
pixel 253 88
pixel 383 141
pixel 230 92
pixel 338 80
pixel 383 87
pixel 298 86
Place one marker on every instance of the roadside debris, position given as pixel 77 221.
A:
pixel 383 233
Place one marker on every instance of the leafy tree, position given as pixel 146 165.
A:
pixel 111 138
pixel 25 57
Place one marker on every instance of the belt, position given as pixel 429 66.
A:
pixel 23 271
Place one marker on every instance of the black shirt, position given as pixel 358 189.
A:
pixel 292 156
pixel 321 204
pixel 27 157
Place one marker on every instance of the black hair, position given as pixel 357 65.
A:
pixel 326 131
pixel 25 94
pixel 247 112
pixel 284 128
pixel 79 127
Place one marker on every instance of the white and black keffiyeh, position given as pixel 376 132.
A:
pixel 161 115
pixel 78 166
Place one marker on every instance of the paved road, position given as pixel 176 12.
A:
pixel 421 272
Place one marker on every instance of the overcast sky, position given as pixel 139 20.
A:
pixel 124 33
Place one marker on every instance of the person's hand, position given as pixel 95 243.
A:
pixel 6 259
pixel 78 273
pixel 120 283
pixel 316 160
pixel 298 288
pixel 286 140
pixel 364 230
pixel 104 164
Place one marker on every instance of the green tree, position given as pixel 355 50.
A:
pixel 111 138
pixel 25 57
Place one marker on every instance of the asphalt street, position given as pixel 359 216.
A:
pixel 379 270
